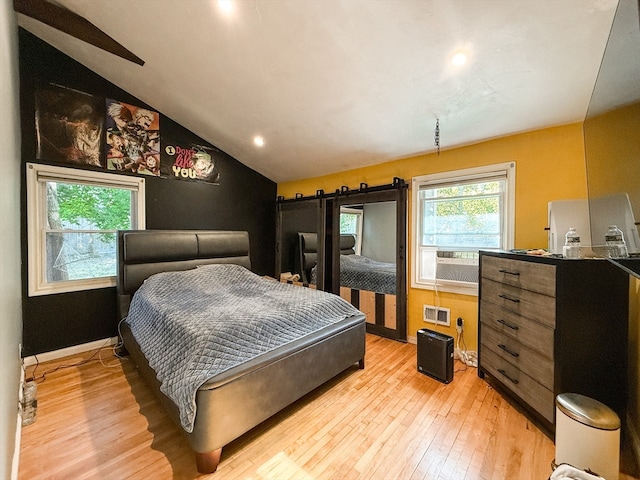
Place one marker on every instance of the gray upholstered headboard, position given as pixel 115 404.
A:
pixel 142 253
pixel 308 251
pixel 347 244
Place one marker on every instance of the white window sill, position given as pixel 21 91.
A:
pixel 71 286
pixel 461 288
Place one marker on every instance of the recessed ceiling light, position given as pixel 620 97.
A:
pixel 225 5
pixel 459 59
pixel 258 141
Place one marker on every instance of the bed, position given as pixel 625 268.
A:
pixel 246 387
pixel 368 284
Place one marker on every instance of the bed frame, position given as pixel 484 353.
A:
pixel 233 402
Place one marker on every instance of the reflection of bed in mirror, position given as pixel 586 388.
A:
pixel 368 284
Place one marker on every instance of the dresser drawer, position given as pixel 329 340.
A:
pixel 534 306
pixel 536 277
pixel 520 356
pixel 531 392
pixel 533 334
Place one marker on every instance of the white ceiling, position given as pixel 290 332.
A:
pixel 338 84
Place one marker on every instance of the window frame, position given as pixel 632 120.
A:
pixel 37 175
pixel 508 169
pixel 359 219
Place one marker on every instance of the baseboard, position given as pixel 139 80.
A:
pixel 15 463
pixel 65 352
pixel 411 339
pixel 634 439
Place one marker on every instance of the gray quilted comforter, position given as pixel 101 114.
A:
pixel 364 273
pixel 194 324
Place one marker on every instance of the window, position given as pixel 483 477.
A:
pixel 456 214
pixel 72 219
pixel 351 223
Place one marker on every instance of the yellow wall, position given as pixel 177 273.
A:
pixel 549 166
pixel 613 150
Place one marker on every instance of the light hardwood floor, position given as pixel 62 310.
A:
pixel 384 422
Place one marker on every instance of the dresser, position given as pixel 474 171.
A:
pixel 552 325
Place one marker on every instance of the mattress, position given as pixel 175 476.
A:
pixel 363 273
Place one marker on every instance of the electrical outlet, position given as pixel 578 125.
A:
pixel 459 324
pixel 29 402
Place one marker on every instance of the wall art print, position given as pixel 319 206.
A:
pixel 69 126
pixel 192 162
pixel 133 138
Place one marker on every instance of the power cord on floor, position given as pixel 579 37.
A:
pixel 469 358
pixel 97 353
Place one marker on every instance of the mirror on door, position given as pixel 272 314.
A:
pixel 368 264
pixel 368 247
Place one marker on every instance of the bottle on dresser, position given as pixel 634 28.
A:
pixel 571 247
pixel 614 240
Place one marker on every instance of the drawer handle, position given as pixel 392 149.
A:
pixel 504 347
pixel 507 324
pixel 507 297
pixel 512 380
pixel 502 270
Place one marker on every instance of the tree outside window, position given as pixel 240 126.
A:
pixel 82 221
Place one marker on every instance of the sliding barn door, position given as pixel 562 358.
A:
pixel 295 216
pixel 381 237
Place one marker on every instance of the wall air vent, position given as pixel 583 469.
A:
pixel 436 315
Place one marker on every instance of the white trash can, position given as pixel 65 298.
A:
pixel 587 435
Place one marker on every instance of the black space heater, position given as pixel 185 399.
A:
pixel 435 355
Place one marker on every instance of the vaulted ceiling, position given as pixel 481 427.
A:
pixel 338 84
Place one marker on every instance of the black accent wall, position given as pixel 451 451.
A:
pixel 243 200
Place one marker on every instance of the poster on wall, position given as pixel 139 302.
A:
pixel 189 161
pixel 69 126
pixel 133 138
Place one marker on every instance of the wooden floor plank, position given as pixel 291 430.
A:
pixel 385 422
